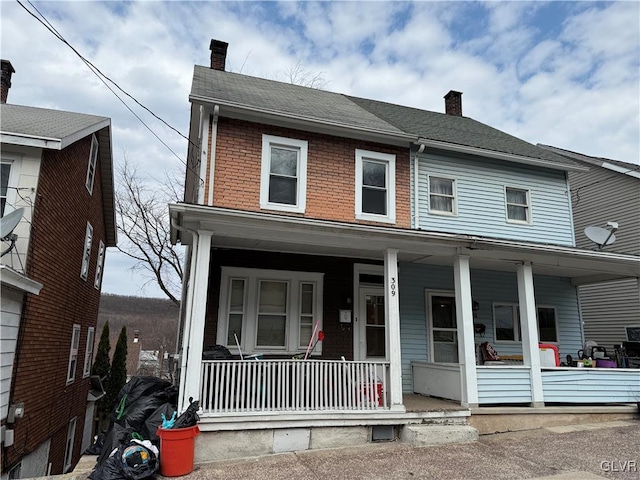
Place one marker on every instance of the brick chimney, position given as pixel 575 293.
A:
pixel 7 71
pixel 218 54
pixel 453 103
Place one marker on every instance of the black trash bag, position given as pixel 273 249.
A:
pixel 96 447
pixel 116 436
pixel 140 397
pixel 133 460
pixel 189 417
pixel 150 428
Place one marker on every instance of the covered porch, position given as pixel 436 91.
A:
pixel 278 388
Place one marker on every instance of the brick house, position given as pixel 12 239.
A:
pixel 407 236
pixel 57 166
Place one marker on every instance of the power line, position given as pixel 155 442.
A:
pixel 104 78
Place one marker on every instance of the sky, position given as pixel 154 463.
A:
pixel 565 74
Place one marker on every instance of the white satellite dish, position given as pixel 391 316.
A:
pixel 601 236
pixel 7 224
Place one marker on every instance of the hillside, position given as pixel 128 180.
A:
pixel 156 319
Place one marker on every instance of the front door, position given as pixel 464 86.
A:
pixel 372 324
pixel 443 327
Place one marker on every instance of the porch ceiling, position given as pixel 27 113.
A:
pixel 269 232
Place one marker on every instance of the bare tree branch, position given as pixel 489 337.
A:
pixel 299 75
pixel 143 221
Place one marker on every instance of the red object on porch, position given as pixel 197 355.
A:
pixel 373 395
pixel 177 447
pixel 546 351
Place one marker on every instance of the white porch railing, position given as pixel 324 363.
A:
pixel 241 386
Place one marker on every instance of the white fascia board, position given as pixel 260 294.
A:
pixel 538 162
pixel 74 137
pixel 18 281
pixel 250 113
pixel 632 171
pixel 30 141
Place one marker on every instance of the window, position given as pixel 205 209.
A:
pixel 442 195
pixel 506 321
pixel 5 173
pixel 269 310
pixel 443 326
pixel 517 205
pixel 73 354
pixel 91 168
pixel 375 186
pixel 71 437
pixel 283 184
pixel 99 266
pixel 88 352
pixel 86 254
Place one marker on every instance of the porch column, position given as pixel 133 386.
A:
pixel 392 313
pixel 198 309
pixel 466 338
pixel 529 328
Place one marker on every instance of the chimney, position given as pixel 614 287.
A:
pixel 7 70
pixel 453 103
pixel 218 54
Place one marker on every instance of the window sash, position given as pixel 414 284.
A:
pixel 283 175
pixel 88 352
pixel 375 186
pixel 71 437
pixel 307 312
pixel 511 328
pixel 236 315
pixel 517 204
pixel 99 266
pixel 91 167
pixel 442 195
pixel 5 174
pixel 73 354
pixel 86 254
pixel 271 328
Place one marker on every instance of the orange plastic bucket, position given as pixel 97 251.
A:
pixel 177 446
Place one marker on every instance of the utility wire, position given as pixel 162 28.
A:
pixel 103 78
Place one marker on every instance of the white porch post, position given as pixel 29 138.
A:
pixel 392 313
pixel 529 328
pixel 193 343
pixel 466 339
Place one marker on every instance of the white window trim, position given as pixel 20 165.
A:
pixel 252 277
pixel 301 196
pixel 15 161
pixel 86 252
pixel 88 352
pixel 99 266
pixel 429 294
pixel 71 440
pixel 73 354
pixel 390 161
pixel 91 167
pixel 517 327
pixel 528 206
pixel 454 187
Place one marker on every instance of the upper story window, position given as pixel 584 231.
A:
pixel 517 205
pixel 375 186
pixel 93 160
pixel 73 354
pixel 86 253
pixel 5 173
pixel 99 266
pixel 442 196
pixel 88 352
pixel 283 184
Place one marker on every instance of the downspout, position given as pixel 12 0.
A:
pixel 212 165
pixel 416 203
pixel 186 333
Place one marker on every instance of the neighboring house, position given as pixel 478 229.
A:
pixel 58 166
pixel 407 236
pixel 608 192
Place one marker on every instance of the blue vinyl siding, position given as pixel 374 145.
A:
pixel 591 385
pixel 487 287
pixel 481 205
pixel 504 385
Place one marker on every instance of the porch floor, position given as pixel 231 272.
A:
pixel 414 402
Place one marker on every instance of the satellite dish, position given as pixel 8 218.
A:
pixel 601 236
pixel 7 224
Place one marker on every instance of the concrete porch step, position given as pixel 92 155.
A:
pixel 434 434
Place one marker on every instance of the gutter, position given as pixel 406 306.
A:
pixel 212 153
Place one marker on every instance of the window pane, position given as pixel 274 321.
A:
pixel 444 336
pixel 283 190
pixel 374 201
pixel 444 312
pixel 441 186
pixel 305 335
pixel 237 296
pixel 235 326
pixel 306 301
pixel 375 310
pixel 517 213
pixel 273 297
pixel 547 324
pixel 271 330
pixel 441 204
pixel 375 342
pixel 374 174
pixel 503 317
pixel 516 196
pixel 284 161
pixel 445 352
pixel 5 169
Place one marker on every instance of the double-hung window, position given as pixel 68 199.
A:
pixel 375 186
pixel 99 266
pixel 518 210
pixel 283 183
pixel 88 352
pixel 86 253
pixel 269 311
pixel 71 438
pixel 506 321
pixel 73 354
pixel 5 173
pixel 442 196
pixel 93 161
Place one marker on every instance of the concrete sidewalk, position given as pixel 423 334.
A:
pixel 591 451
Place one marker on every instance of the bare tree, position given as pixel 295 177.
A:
pixel 299 75
pixel 143 221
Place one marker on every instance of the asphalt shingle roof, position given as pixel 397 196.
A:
pixel 42 122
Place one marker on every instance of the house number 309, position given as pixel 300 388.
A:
pixel 393 286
